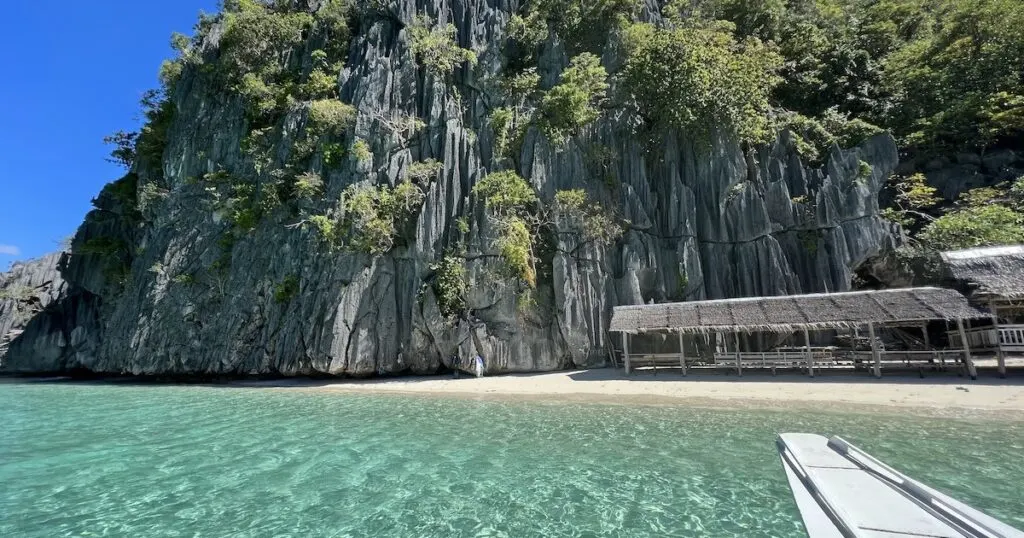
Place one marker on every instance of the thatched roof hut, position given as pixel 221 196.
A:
pixel 990 273
pixel 797 312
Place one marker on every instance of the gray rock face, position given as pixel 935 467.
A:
pixel 706 221
pixel 25 290
pixel 969 171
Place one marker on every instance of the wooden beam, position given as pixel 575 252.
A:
pixel 625 351
pixel 968 360
pixel 874 350
pixel 999 345
pixel 739 366
pixel 810 356
pixel 682 354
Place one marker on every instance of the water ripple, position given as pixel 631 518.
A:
pixel 95 460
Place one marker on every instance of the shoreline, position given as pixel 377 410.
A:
pixel 940 395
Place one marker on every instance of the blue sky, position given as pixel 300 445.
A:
pixel 71 73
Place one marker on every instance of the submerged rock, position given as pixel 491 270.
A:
pixel 705 220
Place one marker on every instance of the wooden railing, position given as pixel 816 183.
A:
pixel 1010 338
pixel 820 357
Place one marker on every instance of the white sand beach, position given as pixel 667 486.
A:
pixel 939 394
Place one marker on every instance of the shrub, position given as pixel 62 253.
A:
pixel 985 225
pixel 524 84
pixel 450 285
pixel 505 192
pixel 700 79
pixel 1016 194
pixel 435 48
pixel 360 151
pixel 600 161
pixel 423 171
pixel 149 194
pixel 530 30
pixel 325 226
pixel 124 147
pixel 330 116
pixel 332 19
pixel 864 171
pixel 735 191
pixel 814 137
pixel 502 123
pixel 256 40
pixel 912 195
pixel 184 279
pixel 287 289
pixel 682 283
pixel 103 246
pixel 18 293
pixel 158 112
pixel 321 84
pixel 576 100
pixel 516 246
pixel 571 200
pixel 333 154
pixel 373 215
pixel 169 74
pixel 308 185
pixel 594 223
pixel 583 25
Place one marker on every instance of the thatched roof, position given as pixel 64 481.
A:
pixel 991 272
pixel 794 312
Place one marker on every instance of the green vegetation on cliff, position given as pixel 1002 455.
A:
pixel 942 75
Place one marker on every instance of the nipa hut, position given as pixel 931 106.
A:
pixel 992 277
pixel 854 311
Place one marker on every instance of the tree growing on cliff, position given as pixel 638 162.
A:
pixel 435 46
pixel 374 215
pixel 510 201
pixel 699 79
pixel 984 216
pixel 583 25
pixel 577 98
pixel 913 196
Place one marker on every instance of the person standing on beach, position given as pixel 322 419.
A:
pixel 479 366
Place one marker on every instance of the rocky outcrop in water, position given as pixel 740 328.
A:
pixel 705 220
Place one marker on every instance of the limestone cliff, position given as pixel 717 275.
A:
pixel 25 290
pixel 168 295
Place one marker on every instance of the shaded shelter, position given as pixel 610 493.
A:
pixel 992 277
pixel 797 313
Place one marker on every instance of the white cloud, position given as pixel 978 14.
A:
pixel 10 250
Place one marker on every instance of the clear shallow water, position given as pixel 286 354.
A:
pixel 102 460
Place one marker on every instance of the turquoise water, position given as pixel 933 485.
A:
pixel 115 460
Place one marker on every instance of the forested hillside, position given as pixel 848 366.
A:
pixel 946 77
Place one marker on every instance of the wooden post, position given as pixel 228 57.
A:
pixel 739 367
pixel 999 344
pixel 875 354
pixel 928 345
pixel 968 361
pixel 682 354
pixel 625 351
pixel 810 356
